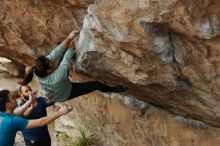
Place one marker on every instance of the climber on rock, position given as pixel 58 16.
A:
pixel 10 123
pixel 36 136
pixel 54 80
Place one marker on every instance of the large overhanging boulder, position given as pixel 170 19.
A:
pixel 166 52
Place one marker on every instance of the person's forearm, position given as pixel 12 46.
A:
pixel 46 120
pixel 43 121
pixel 23 108
pixel 59 50
pixel 28 111
pixel 66 42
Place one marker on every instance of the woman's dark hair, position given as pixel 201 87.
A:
pixel 42 64
pixel 3 99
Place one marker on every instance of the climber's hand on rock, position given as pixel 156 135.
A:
pixel 73 34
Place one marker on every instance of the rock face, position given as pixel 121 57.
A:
pixel 32 28
pixel 125 121
pixel 167 52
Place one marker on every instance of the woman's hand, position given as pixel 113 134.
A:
pixel 70 37
pixel 73 34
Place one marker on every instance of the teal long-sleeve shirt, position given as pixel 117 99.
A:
pixel 57 86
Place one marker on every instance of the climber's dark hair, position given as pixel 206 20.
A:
pixel 4 98
pixel 42 64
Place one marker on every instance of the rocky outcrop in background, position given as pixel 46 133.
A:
pixel 125 121
pixel 167 52
pixel 32 28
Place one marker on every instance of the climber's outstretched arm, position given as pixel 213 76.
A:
pixel 60 49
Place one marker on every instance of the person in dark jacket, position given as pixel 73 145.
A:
pixel 36 136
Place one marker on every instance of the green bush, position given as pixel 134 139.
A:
pixel 85 139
